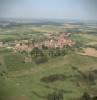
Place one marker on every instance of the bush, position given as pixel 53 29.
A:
pixel 0 63
pixel 53 78
pixel 40 59
pixel 85 96
pixel 56 96
pixel 94 98
pixel 38 56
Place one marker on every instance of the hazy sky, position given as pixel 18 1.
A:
pixel 70 9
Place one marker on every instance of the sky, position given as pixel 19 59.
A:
pixel 58 9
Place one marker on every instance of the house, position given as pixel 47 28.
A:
pixel 53 41
pixel 1 44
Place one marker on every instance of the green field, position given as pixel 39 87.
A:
pixel 30 81
pixel 26 31
pixel 23 81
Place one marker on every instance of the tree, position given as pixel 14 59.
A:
pixel 57 51
pixel 55 96
pixel 44 47
pixel 0 64
pixel 91 78
pixel 40 59
pixel 36 52
pixel 94 98
pixel 38 56
pixel 51 52
pixel 86 96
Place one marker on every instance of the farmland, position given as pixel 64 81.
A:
pixel 70 73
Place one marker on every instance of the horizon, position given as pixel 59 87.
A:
pixel 56 20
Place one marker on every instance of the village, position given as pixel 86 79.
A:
pixel 50 40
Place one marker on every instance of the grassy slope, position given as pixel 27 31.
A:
pixel 26 81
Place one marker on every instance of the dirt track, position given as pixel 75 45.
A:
pixel 89 52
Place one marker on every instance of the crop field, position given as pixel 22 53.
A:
pixel 26 31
